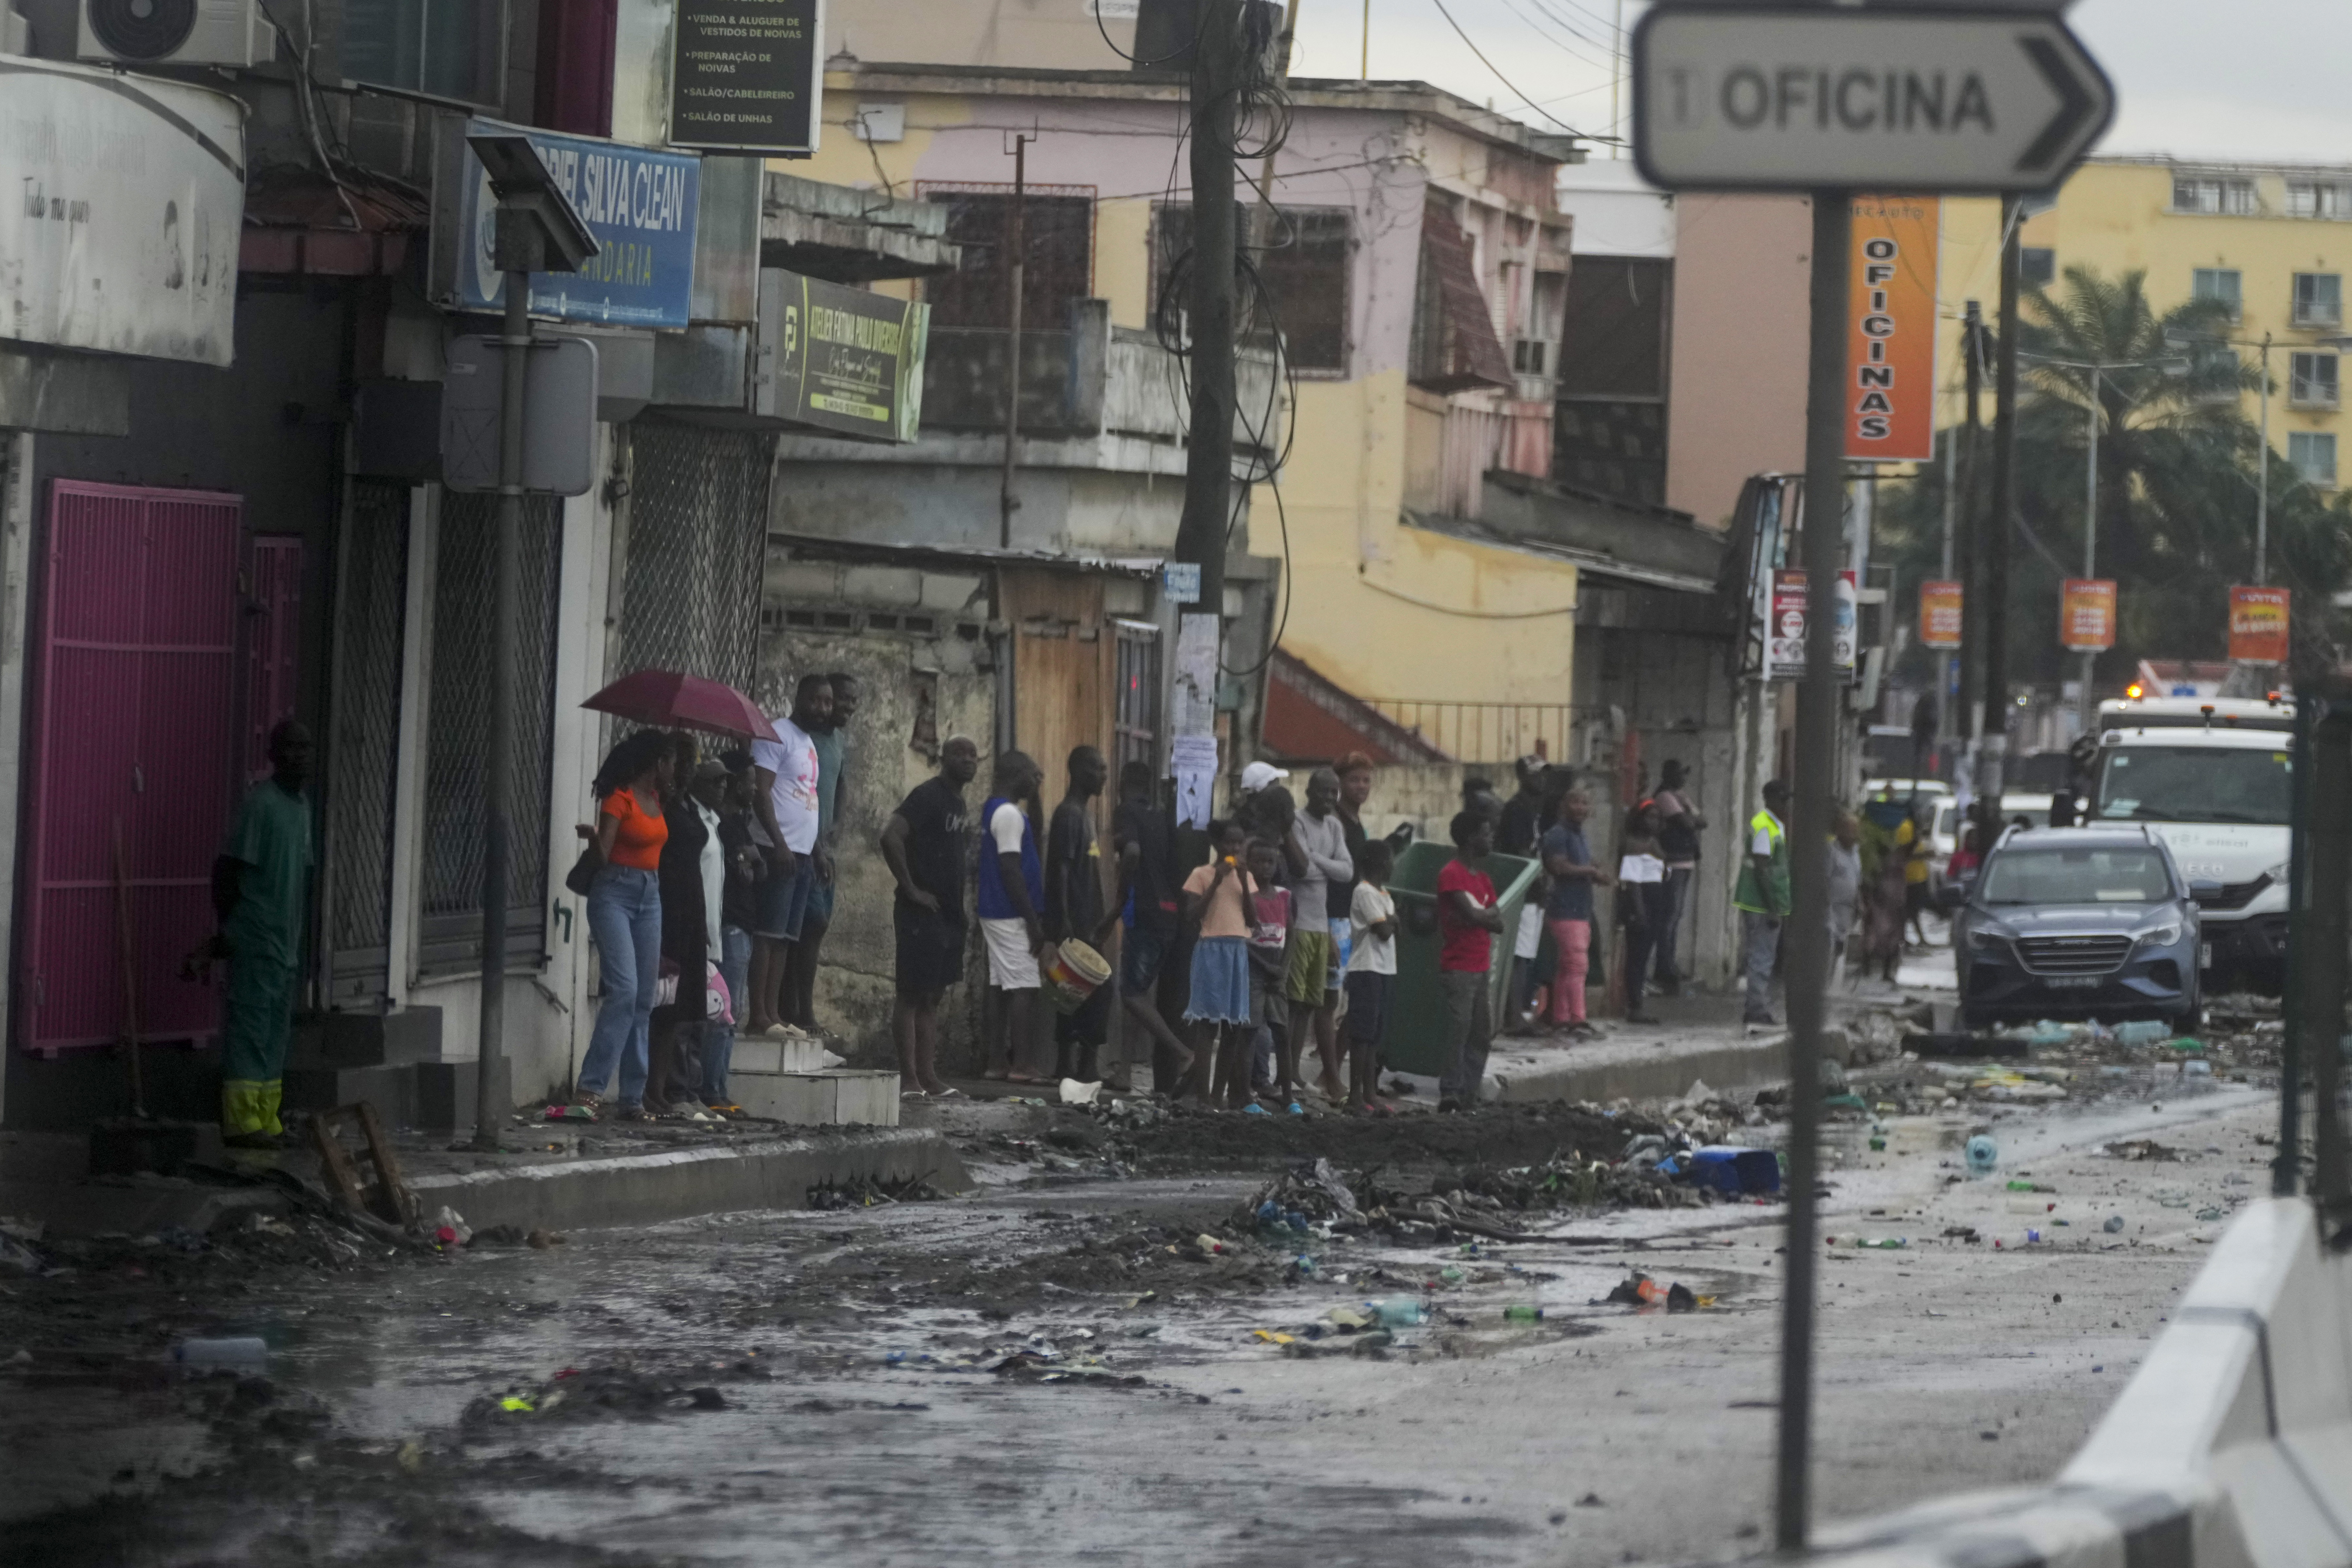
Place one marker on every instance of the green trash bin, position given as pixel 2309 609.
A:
pixel 1414 1037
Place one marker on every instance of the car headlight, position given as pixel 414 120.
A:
pixel 2279 872
pixel 1985 937
pixel 2163 935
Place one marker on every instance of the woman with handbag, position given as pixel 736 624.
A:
pixel 683 1001
pixel 624 915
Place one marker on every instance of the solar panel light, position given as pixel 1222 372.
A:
pixel 537 230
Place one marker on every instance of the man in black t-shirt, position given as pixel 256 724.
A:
pixel 1073 908
pixel 1150 899
pixel 923 844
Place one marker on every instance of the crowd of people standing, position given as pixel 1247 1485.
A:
pixel 1253 965
pixel 710 882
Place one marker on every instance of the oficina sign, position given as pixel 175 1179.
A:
pixel 121 198
pixel 641 204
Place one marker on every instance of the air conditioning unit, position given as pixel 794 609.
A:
pixel 176 32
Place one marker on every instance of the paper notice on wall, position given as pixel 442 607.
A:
pixel 1641 868
pixel 1192 701
pixel 1193 759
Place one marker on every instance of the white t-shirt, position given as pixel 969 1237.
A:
pixel 1006 828
pixel 793 760
pixel 1368 953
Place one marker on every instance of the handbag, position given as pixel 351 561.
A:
pixel 666 988
pixel 583 875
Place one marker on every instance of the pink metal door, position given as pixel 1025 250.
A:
pixel 135 727
pixel 273 632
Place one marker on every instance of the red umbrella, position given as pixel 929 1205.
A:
pixel 674 700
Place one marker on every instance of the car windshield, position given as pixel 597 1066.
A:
pixel 2126 874
pixel 2195 784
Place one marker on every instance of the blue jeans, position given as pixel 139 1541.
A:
pixel 719 1040
pixel 625 916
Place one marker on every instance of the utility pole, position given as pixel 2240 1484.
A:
pixel 1208 456
pixel 1945 722
pixel 1806 935
pixel 1968 727
pixel 1999 527
pixel 1017 243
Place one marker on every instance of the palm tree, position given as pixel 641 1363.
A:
pixel 2172 424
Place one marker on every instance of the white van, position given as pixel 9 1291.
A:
pixel 2220 794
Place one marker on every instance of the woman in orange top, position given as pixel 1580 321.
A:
pixel 625 916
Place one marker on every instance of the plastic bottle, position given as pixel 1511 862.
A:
pixel 221 1353
pixel 1522 1314
pixel 1884 1243
pixel 1451 1275
pixel 1398 1312
pixel 1983 1155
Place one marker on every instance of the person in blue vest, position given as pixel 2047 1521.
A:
pixel 1010 903
pixel 259 884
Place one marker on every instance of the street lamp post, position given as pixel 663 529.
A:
pixel 2099 369
pixel 2262 478
pixel 2089 701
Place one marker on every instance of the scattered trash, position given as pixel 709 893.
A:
pixel 1398 1312
pixel 1884 1243
pixel 2209 1213
pixel 543 1239
pixel 240 1350
pixel 1517 1313
pixel 16 1254
pixel 1269 1336
pixel 1681 1299
pixel 1076 1093
pixel 1210 1245
pixel 2142 1032
pixel 2142 1148
pixel 1983 1154
pixel 2114 1224
pixel 2032 1235
pixel 450 1229
pixel 1740 1171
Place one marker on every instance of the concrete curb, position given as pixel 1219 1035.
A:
pixel 647 1189
pixel 1749 1065
pixel 2231 1447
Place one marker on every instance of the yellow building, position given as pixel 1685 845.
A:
pixel 2273 240
pixel 1419 276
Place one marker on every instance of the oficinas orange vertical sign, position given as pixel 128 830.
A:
pixel 1891 364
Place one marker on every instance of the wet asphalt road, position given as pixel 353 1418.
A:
pixel 1599 1436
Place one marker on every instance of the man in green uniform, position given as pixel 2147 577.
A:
pixel 1762 899
pixel 260 882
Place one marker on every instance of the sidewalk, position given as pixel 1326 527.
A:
pixel 1697 1036
pixel 551 1176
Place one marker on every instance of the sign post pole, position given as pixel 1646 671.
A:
pixel 1807 941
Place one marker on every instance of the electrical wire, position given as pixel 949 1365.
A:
pixel 1531 103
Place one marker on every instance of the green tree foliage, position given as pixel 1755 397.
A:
pixel 2177 489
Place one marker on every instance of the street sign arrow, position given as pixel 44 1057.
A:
pixel 1742 98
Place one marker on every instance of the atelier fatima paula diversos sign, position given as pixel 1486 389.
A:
pixel 1743 98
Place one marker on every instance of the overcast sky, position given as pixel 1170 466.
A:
pixel 2257 79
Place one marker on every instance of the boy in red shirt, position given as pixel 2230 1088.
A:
pixel 1468 920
